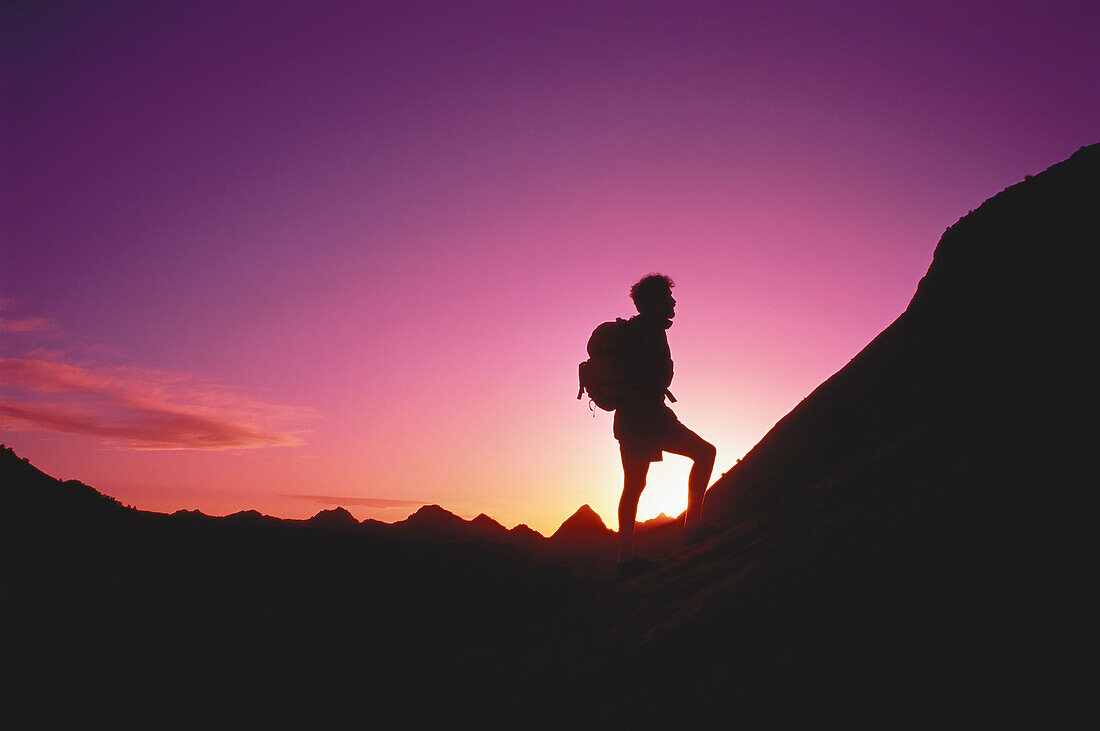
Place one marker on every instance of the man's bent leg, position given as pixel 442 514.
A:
pixel 635 470
pixel 701 453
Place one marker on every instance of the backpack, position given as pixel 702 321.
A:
pixel 603 375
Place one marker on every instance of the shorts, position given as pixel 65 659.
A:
pixel 644 431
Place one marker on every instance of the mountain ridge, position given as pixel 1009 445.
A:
pixel 961 326
pixel 430 519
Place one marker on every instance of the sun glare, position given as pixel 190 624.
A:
pixel 666 488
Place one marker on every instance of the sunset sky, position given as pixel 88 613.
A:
pixel 286 256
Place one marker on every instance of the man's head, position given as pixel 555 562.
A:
pixel 652 295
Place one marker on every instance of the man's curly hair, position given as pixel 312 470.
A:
pixel 650 289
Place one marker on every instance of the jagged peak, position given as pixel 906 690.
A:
pixel 338 510
pixel 524 529
pixel 337 515
pixel 485 521
pixel 433 509
pixel 661 519
pixel 251 517
pixel 584 521
pixel 587 514
pixel 431 515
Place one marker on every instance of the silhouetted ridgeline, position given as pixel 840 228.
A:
pixel 913 546
pixel 31 497
pixel 1002 311
pixel 34 500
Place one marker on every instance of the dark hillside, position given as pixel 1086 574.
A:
pixel 1005 304
pixel 31 497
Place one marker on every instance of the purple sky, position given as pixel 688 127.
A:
pixel 256 250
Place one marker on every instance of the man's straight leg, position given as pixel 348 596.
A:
pixel 635 469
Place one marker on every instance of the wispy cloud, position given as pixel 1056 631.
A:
pixel 25 324
pixel 137 408
pixel 370 502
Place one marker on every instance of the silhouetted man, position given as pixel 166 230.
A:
pixel 646 427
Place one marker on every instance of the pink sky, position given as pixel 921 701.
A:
pixel 288 259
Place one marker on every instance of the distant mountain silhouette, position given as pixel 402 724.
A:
pixel 488 526
pixel 658 522
pixel 337 518
pixel 195 514
pixel 584 528
pixel 432 516
pixel 50 499
pixel 434 523
pixel 251 517
pixel 524 533
pixel 31 497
